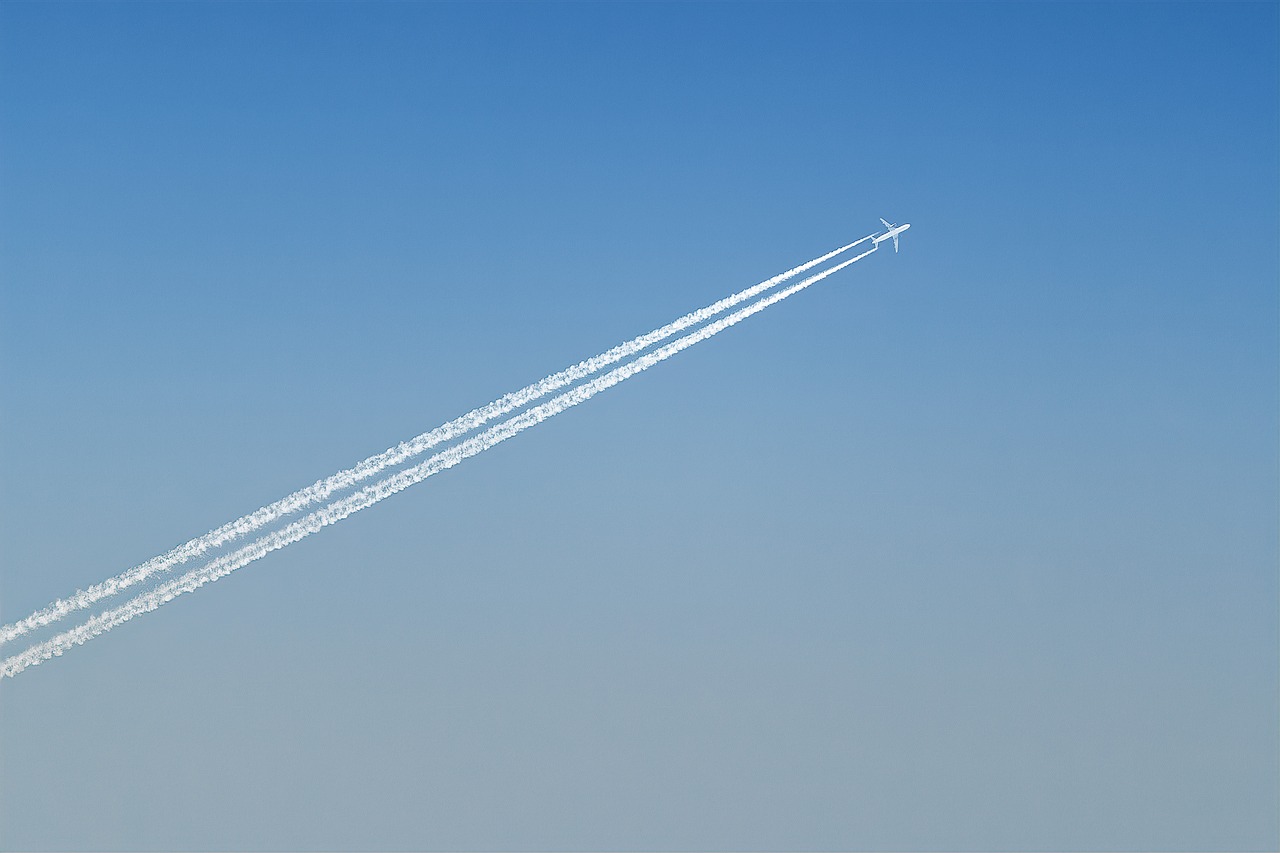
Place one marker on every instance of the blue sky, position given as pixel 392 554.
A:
pixel 971 547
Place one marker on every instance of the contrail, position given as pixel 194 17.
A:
pixel 406 450
pixel 371 494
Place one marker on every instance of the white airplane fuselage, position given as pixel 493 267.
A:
pixel 891 234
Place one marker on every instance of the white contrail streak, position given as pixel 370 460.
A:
pixel 402 452
pixel 371 494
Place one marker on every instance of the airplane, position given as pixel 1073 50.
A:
pixel 894 231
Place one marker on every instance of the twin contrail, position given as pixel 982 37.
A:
pixel 373 493
pixel 374 465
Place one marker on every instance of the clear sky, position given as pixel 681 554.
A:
pixel 970 547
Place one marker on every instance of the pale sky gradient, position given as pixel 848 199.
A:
pixel 970 547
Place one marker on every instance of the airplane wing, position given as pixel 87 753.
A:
pixel 886 224
pixel 895 243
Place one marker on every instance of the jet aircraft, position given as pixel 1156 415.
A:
pixel 894 231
